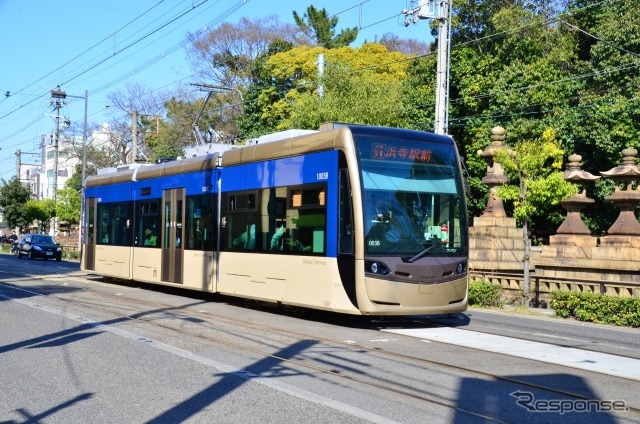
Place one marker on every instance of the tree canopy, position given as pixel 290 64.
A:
pixel 563 70
pixel 320 28
pixel 13 198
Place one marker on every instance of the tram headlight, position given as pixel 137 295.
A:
pixel 376 268
pixel 461 268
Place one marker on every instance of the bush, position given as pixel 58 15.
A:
pixel 592 307
pixel 483 293
pixel 71 255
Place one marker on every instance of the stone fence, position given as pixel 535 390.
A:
pixel 573 260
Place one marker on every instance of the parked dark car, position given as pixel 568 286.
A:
pixel 39 246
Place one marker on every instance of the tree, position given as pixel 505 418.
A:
pixel 134 97
pixel 41 211
pixel 510 66
pixel 224 55
pixel 362 85
pixel 358 97
pixel 176 132
pixel 13 198
pixel 536 167
pixel 407 46
pixel 262 90
pixel 317 25
pixel 68 204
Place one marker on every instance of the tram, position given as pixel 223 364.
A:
pixel 351 219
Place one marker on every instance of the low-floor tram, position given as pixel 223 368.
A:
pixel 352 219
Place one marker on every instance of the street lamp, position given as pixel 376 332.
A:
pixel 61 94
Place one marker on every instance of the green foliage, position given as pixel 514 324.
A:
pixel 483 293
pixel 68 205
pixel 521 65
pixel 262 90
pixel 70 255
pixel 593 307
pixel 174 135
pixel 41 211
pixel 320 28
pixel 370 96
pixel 13 197
pixel 537 185
pixel 75 181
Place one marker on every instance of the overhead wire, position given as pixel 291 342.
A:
pixel 128 46
pixel 179 45
pixel 79 55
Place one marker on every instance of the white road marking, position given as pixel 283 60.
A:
pixel 602 363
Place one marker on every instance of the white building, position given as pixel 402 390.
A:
pixel 40 177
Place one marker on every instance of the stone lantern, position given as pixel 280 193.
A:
pixel 495 173
pixel 626 198
pixel 573 224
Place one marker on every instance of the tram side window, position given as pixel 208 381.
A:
pixel 299 223
pixel 201 216
pixel 241 226
pixel 148 223
pixel 114 224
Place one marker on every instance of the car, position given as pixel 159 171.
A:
pixel 39 246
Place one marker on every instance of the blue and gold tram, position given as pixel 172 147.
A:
pixel 351 219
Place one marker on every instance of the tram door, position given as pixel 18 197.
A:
pixel 89 256
pixel 173 204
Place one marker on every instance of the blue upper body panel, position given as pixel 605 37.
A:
pixel 193 182
pixel 303 169
pixel 321 167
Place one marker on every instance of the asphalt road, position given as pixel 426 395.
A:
pixel 76 349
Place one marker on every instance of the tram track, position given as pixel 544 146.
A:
pixel 160 315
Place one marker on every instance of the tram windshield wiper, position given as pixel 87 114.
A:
pixel 422 253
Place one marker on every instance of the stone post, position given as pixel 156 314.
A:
pixel 495 174
pixel 495 242
pixel 573 231
pixel 625 231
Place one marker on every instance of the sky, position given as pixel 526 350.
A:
pixel 102 46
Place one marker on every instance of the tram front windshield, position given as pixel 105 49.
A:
pixel 412 193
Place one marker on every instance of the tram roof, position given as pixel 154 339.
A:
pixel 307 143
pixel 331 136
pixel 194 164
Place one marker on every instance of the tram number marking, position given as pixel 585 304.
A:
pixel 206 189
pixel 374 243
pixel 321 176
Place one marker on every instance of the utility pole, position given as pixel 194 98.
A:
pixel 59 95
pixel 134 136
pixel 321 64
pixel 18 160
pixel 56 140
pixel 441 11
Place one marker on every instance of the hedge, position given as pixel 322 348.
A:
pixel 483 293
pixel 598 308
